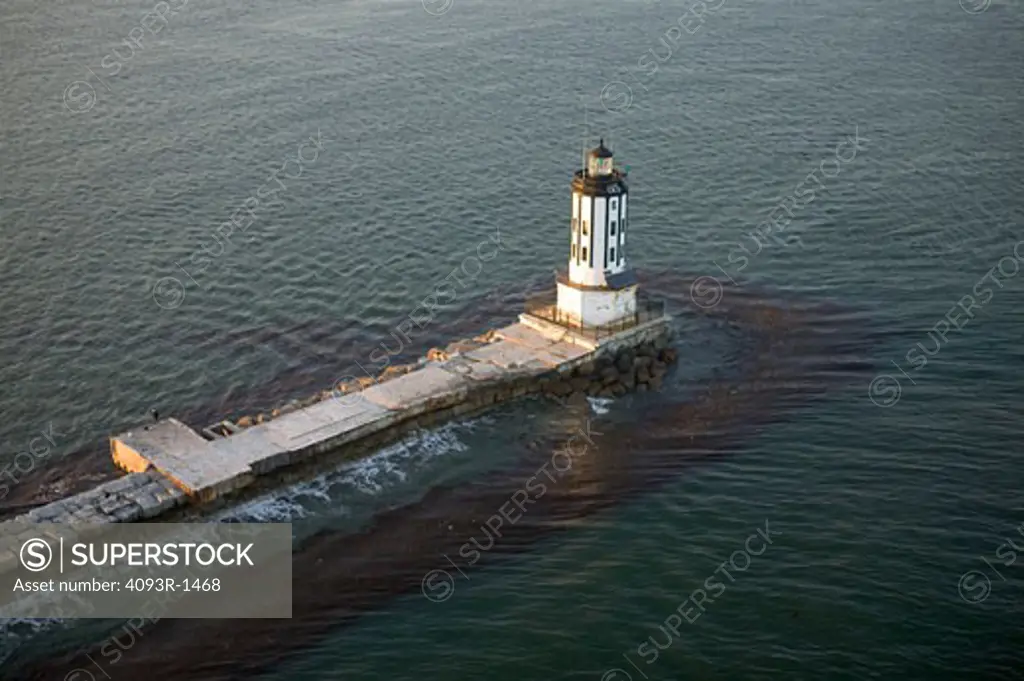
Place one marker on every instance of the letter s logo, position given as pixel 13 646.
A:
pixel 36 555
pixel 79 97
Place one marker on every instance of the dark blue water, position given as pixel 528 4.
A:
pixel 436 125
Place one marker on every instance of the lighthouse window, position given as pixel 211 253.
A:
pixel 613 255
pixel 613 226
pixel 615 204
pixel 584 252
pixel 585 230
pixel 574 250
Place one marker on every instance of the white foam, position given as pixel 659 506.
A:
pixel 600 405
pixel 370 476
pixel 374 474
pixel 16 630
pixel 20 627
pixel 269 509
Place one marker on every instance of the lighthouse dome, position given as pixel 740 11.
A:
pixel 600 161
pixel 601 151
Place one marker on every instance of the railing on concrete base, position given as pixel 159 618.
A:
pixel 546 307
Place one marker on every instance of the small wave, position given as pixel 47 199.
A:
pixel 369 476
pixel 376 473
pixel 273 509
pixel 600 405
pixel 16 631
pixel 20 628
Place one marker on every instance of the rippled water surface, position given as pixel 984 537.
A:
pixel 824 396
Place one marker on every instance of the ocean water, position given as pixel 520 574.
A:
pixel 846 388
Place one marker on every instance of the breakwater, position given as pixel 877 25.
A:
pixel 786 356
pixel 170 465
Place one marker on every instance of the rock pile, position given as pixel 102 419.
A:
pixel 630 369
pixel 363 382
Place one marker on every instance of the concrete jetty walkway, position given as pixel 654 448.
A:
pixel 504 368
pixel 170 465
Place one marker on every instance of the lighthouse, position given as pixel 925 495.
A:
pixel 599 287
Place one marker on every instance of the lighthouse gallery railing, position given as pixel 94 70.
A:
pixel 545 306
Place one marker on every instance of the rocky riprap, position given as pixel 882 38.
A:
pixel 394 371
pixel 629 370
pixel 131 498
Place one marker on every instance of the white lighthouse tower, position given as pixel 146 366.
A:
pixel 599 287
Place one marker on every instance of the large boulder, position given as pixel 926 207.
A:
pixel 393 371
pixel 488 337
pixel 559 388
pixel 579 383
pixel 609 375
pixel 436 355
pixel 462 346
pixel 577 399
pixel 624 362
pixel 586 369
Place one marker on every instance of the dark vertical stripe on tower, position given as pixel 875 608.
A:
pixel 618 235
pixel 593 208
pixel 582 234
pixel 607 214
